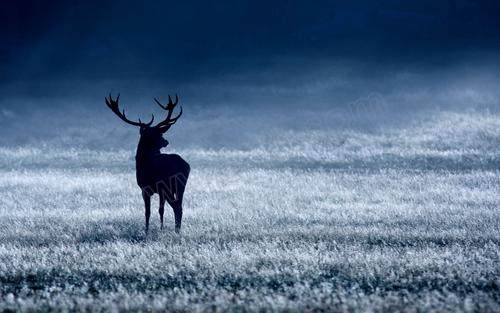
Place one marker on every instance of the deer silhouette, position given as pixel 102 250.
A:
pixel 164 174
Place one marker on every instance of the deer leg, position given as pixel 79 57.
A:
pixel 178 215
pixel 161 210
pixel 177 204
pixel 147 205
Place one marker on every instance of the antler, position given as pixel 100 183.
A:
pixel 113 105
pixel 168 121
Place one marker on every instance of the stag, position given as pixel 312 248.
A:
pixel 164 174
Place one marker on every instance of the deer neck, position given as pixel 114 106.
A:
pixel 144 154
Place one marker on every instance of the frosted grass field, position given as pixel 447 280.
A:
pixel 403 217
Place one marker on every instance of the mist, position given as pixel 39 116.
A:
pixel 243 70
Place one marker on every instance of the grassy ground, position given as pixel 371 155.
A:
pixel 404 220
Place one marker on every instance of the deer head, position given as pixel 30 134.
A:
pixel 151 136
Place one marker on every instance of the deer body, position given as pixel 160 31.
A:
pixel 164 174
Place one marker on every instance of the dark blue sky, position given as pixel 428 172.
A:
pixel 187 40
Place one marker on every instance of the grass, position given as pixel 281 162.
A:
pixel 402 220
